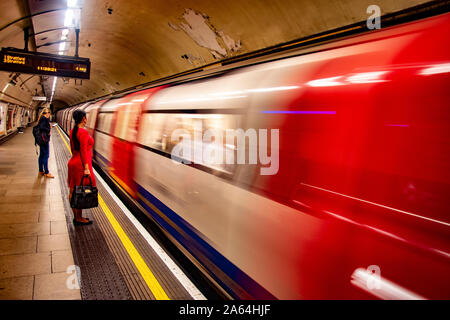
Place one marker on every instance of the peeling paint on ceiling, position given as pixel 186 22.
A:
pixel 194 60
pixel 174 26
pixel 199 28
pixel 232 45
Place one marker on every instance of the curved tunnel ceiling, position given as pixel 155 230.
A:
pixel 131 42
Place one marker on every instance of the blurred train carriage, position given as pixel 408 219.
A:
pixel 362 180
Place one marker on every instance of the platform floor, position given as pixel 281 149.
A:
pixel 44 256
pixel 35 249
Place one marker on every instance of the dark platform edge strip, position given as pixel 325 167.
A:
pixel 100 277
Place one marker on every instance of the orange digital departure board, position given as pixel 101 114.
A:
pixel 16 60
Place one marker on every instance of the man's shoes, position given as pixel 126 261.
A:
pixel 40 174
pixel 48 175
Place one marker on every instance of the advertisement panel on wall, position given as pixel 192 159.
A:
pixel 3 108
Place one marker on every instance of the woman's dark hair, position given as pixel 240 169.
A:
pixel 78 116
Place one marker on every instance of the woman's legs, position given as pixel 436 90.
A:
pixel 43 158
pixel 40 159
pixel 77 213
pixel 43 162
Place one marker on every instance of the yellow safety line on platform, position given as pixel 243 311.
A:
pixel 67 145
pixel 140 264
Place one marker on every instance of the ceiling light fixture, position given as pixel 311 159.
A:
pixel 68 21
pixel 6 87
pixel 53 89
pixel 72 3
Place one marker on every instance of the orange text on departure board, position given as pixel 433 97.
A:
pixel 13 59
pixel 46 69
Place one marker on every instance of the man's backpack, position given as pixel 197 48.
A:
pixel 38 136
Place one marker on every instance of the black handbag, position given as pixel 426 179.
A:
pixel 84 197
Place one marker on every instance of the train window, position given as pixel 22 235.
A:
pixel 151 132
pixel 100 119
pixel 157 129
pixel 89 120
pixel 123 117
pixel 108 122
pixel 120 124
pixel 104 122
pixel 91 117
pixel 125 128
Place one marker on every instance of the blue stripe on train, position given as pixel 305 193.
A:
pixel 202 250
pixel 103 161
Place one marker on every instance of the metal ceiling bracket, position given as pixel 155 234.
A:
pixel 26 35
pixel 77 33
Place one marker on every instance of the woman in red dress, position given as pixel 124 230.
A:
pixel 80 164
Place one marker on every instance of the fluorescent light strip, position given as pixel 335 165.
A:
pixel 6 87
pixel 53 89
pixel 71 3
pixel 68 21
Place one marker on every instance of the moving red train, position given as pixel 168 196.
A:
pixel 358 204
